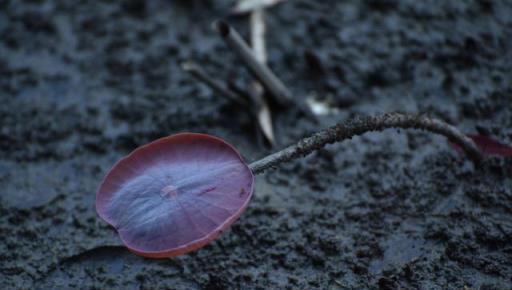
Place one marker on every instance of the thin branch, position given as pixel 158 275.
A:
pixel 245 6
pixel 257 25
pixel 267 78
pixel 281 95
pixel 257 20
pixel 195 70
pixel 359 126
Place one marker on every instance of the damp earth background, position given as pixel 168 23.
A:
pixel 84 84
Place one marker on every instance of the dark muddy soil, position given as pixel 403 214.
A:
pixel 83 84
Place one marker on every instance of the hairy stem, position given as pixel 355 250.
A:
pixel 361 125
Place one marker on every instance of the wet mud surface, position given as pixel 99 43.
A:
pixel 84 84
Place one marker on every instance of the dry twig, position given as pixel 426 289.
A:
pixel 195 70
pixel 267 78
pixel 257 25
pixel 244 6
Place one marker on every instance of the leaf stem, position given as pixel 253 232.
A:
pixel 361 125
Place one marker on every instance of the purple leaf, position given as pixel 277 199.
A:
pixel 176 194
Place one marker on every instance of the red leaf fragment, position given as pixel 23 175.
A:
pixel 488 146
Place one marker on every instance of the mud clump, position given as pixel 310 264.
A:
pixel 84 84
